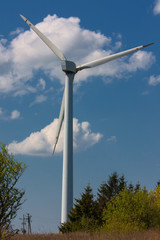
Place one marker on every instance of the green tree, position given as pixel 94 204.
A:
pixel 158 183
pixel 83 216
pixel 10 196
pixel 86 215
pixel 114 185
pixel 131 211
pixel 157 196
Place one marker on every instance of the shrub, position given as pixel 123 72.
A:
pixel 130 211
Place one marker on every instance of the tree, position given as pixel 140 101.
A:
pixel 131 211
pixel 157 196
pixel 10 196
pixel 158 183
pixel 114 185
pixel 86 215
pixel 82 216
pixel 118 207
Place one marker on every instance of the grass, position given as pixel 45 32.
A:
pixel 146 235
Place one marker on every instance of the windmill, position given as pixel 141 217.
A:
pixel 66 113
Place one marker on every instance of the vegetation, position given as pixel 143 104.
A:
pixel 145 235
pixel 86 215
pixel 118 208
pixel 83 217
pixel 132 211
pixel 119 211
pixel 10 196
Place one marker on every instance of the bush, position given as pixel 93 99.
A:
pixel 131 211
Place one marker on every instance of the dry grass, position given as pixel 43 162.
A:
pixel 147 235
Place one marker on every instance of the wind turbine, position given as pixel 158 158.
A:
pixel 66 113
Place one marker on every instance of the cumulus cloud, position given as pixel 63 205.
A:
pixel 154 80
pixel 156 9
pixel 26 54
pixel 41 143
pixel 139 60
pixel 15 114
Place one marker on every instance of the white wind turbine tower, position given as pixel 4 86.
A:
pixel 66 113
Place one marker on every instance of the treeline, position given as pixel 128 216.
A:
pixel 119 207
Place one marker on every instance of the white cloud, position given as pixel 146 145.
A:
pixel 15 114
pixel 39 99
pixel 139 60
pixel 17 31
pixel 112 139
pixel 41 143
pixel 156 9
pixel 83 138
pixel 118 45
pixel 41 84
pixel 154 80
pixel 26 54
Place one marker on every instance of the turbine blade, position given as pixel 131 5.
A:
pixel 54 49
pixel 60 121
pixel 110 58
pixel 147 45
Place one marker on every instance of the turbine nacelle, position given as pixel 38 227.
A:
pixel 68 66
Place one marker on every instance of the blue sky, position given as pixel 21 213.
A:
pixel 116 105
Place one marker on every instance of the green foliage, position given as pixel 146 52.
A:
pixel 84 225
pixel 118 208
pixel 10 196
pixel 86 215
pixel 108 190
pixel 130 211
pixel 157 196
pixel 83 216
